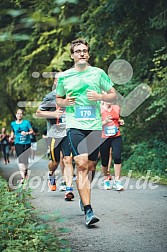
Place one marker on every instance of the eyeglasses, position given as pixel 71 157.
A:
pixel 84 51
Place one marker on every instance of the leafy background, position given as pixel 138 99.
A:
pixel 35 37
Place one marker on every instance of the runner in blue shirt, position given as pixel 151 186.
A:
pixel 21 130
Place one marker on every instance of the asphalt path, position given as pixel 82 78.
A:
pixel 132 220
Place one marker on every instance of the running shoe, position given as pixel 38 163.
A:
pixel 52 183
pixel 62 186
pixel 118 186
pixel 69 195
pixel 81 205
pixel 90 218
pixel 107 185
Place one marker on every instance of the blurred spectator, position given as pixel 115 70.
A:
pixel 4 141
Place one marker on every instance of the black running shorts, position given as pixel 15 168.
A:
pixel 85 141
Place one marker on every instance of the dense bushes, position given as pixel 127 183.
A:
pixel 147 156
pixel 20 230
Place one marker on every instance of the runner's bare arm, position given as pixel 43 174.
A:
pixel 49 114
pixel 67 101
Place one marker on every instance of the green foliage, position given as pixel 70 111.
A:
pixel 20 229
pixel 35 37
pixel 148 156
pixel 159 103
pixel 31 41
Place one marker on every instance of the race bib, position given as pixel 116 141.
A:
pixel 110 130
pixel 85 113
pixel 22 138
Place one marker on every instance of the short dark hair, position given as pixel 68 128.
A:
pixel 78 42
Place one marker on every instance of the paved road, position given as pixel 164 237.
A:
pixel 132 220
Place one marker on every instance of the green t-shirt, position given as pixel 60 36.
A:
pixel 85 114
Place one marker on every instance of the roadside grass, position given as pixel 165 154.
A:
pixel 158 179
pixel 153 176
pixel 22 228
